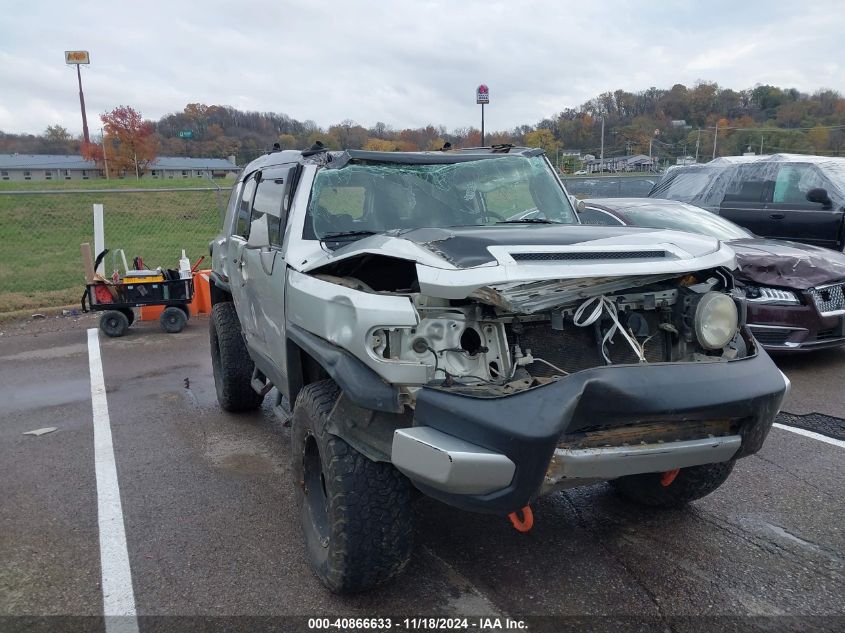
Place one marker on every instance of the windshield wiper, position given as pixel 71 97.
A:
pixel 331 236
pixel 529 221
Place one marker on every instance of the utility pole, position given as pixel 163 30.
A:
pixel 697 143
pixel 105 158
pixel 135 158
pixel 715 138
pixel 601 155
pixel 761 145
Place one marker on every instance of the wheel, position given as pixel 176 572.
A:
pixel 130 315
pixel 230 361
pixel 356 514
pixel 173 320
pixel 184 308
pixel 690 484
pixel 114 323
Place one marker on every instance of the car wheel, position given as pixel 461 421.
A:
pixel 114 323
pixel 690 484
pixel 356 514
pixel 230 361
pixel 173 320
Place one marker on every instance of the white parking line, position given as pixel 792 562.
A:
pixel 118 596
pixel 815 436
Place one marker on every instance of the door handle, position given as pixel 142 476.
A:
pixel 777 216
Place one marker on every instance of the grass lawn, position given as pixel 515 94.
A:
pixel 40 234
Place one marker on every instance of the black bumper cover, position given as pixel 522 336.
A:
pixel 526 426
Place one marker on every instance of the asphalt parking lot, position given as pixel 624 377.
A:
pixel 210 532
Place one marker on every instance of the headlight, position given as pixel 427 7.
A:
pixel 771 296
pixel 716 320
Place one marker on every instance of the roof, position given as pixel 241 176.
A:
pixel 638 158
pixel 339 159
pixel 71 161
pixel 44 161
pixel 707 184
pixel 181 162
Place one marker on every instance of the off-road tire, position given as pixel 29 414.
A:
pixel 173 320
pixel 356 514
pixel 691 483
pixel 230 361
pixel 130 315
pixel 114 323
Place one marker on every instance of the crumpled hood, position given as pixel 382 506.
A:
pixel 480 262
pixel 467 247
pixel 787 264
pixel 488 246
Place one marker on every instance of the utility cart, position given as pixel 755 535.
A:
pixel 116 300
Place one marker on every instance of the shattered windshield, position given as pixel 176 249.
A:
pixel 360 199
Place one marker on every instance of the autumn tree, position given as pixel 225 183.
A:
pixel 544 139
pixel 129 143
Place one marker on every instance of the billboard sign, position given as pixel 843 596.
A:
pixel 186 134
pixel 77 57
pixel 482 94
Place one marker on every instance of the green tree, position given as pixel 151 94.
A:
pixel 544 139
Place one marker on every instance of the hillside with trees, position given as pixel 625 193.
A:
pixel 674 121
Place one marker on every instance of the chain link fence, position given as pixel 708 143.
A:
pixel 603 186
pixel 40 234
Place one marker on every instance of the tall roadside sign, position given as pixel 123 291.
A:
pixel 78 58
pixel 482 98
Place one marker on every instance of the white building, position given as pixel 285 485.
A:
pixel 24 167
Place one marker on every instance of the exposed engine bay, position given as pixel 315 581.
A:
pixel 477 346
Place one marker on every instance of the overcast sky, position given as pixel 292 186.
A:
pixel 406 63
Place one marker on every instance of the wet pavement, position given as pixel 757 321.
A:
pixel 211 532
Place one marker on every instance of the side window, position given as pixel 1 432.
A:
pixel 746 184
pixel 231 208
pixel 271 200
pixel 594 216
pixel 244 207
pixel 793 181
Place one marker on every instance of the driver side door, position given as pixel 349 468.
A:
pixel 266 268
pixel 238 275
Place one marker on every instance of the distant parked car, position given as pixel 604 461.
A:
pixel 783 196
pixel 794 292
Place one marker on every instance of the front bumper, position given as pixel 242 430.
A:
pixel 794 328
pixel 516 437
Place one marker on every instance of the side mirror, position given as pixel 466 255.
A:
pixel 259 233
pixel 820 195
pixel 581 206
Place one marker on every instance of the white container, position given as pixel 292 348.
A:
pixel 184 266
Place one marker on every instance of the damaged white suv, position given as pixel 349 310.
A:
pixel 441 322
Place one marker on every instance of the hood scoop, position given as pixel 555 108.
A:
pixel 574 256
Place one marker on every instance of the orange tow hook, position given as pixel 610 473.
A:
pixel 523 523
pixel 668 477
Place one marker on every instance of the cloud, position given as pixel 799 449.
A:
pixel 406 63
